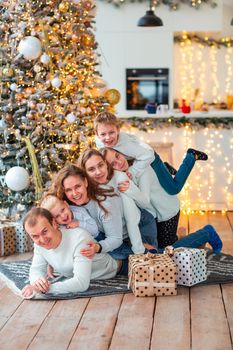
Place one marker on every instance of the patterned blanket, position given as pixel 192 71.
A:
pixel 15 274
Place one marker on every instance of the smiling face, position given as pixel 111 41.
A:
pixel 97 169
pixel 61 212
pixel 75 189
pixel 116 160
pixel 108 134
pixel 43 233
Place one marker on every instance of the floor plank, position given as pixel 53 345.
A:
pixel 203 319
pixel 209 323
pixel 227 291
pixel 183 226
pixel 20 330
pixel 97 325
pixel 133 328
pixel 171 328
pixel 230 218
pixel 9 304
pixel 60 325
pixel 197 221
pixel 223 227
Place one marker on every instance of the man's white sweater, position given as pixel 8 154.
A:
pixel 67 260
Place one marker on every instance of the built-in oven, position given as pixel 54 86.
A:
pixel 147 85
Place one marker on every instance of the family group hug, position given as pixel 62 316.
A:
pixel 112 202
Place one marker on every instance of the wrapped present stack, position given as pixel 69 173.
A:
pixel 13 239
pixel 152 274
pixel 191 265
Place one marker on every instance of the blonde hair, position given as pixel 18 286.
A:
pixel 49 201
pixel 106 118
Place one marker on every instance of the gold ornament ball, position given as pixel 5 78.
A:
pixel 87 40
pixel 8 72
pixel 56 27
pixel 64 6
pixel 76 38
pixel 113 96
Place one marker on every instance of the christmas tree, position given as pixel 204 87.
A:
pixel 50 91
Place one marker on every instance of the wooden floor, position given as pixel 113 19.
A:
pixel 198 318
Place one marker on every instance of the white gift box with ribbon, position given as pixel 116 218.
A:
pixel 191 265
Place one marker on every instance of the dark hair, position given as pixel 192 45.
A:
pixel 87 154
pixel 31 218
pixel 94 192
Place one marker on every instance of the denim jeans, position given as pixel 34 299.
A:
pixel 148 230
pixel 193 240
pixel 170 184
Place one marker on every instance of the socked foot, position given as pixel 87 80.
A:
pixel 170 168
pixel 214 239
pixel 198 154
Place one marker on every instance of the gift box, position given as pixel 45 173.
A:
pixel 191 265
pixel 23 242
pixel 152 274
pixel 7 241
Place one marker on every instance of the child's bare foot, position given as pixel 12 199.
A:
pixel 182 232
pixel 149 248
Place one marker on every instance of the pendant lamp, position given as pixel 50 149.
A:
pixel 150 19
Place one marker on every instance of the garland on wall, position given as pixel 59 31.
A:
pixel 172 4
pixel 206 41
pixel 146 124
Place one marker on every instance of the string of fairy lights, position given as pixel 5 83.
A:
pixel 203 182
pixel 190 59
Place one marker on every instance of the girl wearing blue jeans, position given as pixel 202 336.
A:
pixel 108 134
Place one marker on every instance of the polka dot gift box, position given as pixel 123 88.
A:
pixel 191 265
pixel 152 274
pixel 7 241
pixel 22 244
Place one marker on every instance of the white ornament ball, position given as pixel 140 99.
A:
pixel 30 47
pixel 45 59
pixel 2 124
pixel 17 179
pixel 70 118
pixel 56 82
pixel 13 87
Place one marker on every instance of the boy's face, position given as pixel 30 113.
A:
pixel 62 213
pixel 108 134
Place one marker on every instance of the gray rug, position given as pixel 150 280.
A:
pixel 15 274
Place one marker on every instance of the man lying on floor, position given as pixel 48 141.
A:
pixel 61 248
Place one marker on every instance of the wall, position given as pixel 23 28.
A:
pixel 210 184
pixel 124 45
